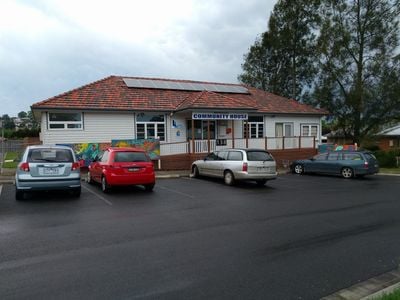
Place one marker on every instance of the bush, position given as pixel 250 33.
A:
pixel 387 159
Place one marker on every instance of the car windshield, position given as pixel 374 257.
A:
pixel 259 155
pixel 50 155
pixel 130 157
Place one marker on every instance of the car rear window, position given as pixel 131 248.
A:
pixel 352 156
pixel 50 155
pixel 130 157
pixel 259 156
pixel 370 156
pixel 235 155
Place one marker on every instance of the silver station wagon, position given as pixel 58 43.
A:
pixel 237 164
pixel 47 168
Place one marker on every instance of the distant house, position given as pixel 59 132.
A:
pixel 389 139
pixel 187 117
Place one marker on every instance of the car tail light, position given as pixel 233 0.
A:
pixel 366 165
pixel 244 167
pixel 75 166
pixel 24 167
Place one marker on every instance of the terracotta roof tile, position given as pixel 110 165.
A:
pixel 111 93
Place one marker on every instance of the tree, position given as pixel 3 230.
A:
pixel 7 122
pixel 22 114
pixel 282 60
pixel 359 73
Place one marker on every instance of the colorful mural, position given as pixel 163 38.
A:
pixel 87 152
pixel 333 147
pixel 151 146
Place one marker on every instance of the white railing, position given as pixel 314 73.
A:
pixel 174 148
pixel 268 143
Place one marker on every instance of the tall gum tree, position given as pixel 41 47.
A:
pixel 282 59
pixel 358 80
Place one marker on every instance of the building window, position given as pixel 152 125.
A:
pixel 309 130
pixel 284 129
pixel 65 121
pixel 150 126
pixel 201 129
pixel 254 128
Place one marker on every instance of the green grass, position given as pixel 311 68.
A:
pixel 389 170
pixel 395 295
pixel 11 156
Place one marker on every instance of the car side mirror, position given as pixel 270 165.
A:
pixel 312 158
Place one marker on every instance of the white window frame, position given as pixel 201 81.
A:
pixel 248 130
pixel 284 127
pixel 309 126
pixel 65 123
pixel 156 124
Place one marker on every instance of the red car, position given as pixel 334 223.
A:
pixel 122 166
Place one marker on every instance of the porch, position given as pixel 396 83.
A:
pixel 267 143
pixel 179 156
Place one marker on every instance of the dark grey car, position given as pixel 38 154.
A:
pixel 348 164
pixel 47 168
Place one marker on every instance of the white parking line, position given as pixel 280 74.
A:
pixel 175 191
pixel 97 195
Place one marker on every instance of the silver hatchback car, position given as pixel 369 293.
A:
pixel 47 168
pixel 237 164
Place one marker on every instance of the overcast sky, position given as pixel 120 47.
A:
pixel 48 47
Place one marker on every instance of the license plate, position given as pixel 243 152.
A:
pixel 133 169
pixel 50 171
pixel 266 169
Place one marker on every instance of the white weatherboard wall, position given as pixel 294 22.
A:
pixel 297 121
pixel 176 134
pixel 98 128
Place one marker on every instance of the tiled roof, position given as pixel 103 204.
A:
pixel 111 93
pixel 207 99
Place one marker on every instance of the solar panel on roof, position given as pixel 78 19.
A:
pixel 185 86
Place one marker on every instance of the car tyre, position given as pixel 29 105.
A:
pixel 347 172
pixel 261 182
pixel 195 172
pixel 76 192
pixel 149 187
pixel 19 195
pixel 229 179
pixel 89 178
pixel 298 169
pixel 104 185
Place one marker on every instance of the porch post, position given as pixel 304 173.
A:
pixel 193 149
pixel 208 136
pixel 233 134
pixel 314 142
pixel 299 141
pixel 283 143
pixel 266 143
pixel 248 133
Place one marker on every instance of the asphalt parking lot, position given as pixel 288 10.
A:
pixel 298 237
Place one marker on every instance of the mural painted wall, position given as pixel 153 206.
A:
pixel 151 146
pixel 87 152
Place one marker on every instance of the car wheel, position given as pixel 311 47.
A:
pixel 149 187
pixel 89 178
pixel 19 195
pixel 195 172
pixel 76 192
pixel 104 185
pixel 298 169
pixel 347 172
pixel 229 179
pixel 261 182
